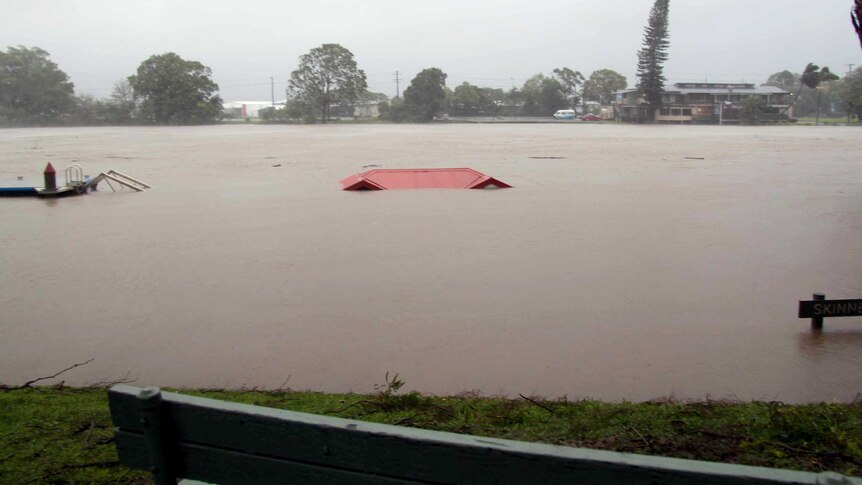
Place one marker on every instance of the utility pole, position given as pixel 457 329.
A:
pixel 846 80
pixel 272 89
pixel 397 85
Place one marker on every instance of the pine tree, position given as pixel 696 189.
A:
pixel 651 57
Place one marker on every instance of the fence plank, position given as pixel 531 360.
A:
pixel 214 465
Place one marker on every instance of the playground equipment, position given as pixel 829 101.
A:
pixel 76 183
pixel 120 178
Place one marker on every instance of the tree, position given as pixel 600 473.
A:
pixel 173 90
pixel 394 111
pixel 804 102
pixel 852 93
pixel 300 109
pixel 326 76
pixel 32 88
pixel 425 98
pixel 122 104
pixel 372 97
pixel 465 100
pixel 812 77
pixel 753 110
pixel 573 85
pixel 602 84
pixel 90 111
pixel 470 100
pixel 651 57
pixel 785 80
pixel 543 95
pixel 491 100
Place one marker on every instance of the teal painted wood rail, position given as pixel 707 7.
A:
pixel 177 436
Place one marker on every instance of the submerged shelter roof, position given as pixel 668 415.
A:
pixel 424 178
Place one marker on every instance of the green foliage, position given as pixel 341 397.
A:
pixel 326 76
pixel 122 107
pixel 33 90
pixel 89 111
pixel 300 109
pixel 491 100
pixel 466 98
pixel 753 110
pixel 543 95
pixel 175 91
pixel 59 435
pixel 425 98
pixel 63 435
pixel 785 80
pixel 394 111
pixel 470 100
pixel 813 76
pixel 572 83
pixel 372 97
pixel 652 55
pixel 806 102
pixel 851 94
pixel 390 386
pixel 602 84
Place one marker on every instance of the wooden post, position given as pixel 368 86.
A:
pixel 817 322
pixel 150 406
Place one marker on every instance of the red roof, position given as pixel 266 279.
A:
pixel 425 178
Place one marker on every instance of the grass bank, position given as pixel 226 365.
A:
pixel 834 120
pixel 63 434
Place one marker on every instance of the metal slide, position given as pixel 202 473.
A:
pixel 122 179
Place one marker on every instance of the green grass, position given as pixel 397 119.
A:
pixel 63 435
pixel 830 120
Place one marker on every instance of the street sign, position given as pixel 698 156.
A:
pixel 830 308
pixel 819 308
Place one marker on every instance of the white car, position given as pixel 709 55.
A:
pixel 565 114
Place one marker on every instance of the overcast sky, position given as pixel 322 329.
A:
pixel 494 43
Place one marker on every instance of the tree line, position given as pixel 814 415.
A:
pixel 541 95
pixel 167 89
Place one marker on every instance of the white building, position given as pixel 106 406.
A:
pixel 248 109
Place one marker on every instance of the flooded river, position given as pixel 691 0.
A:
pixel 629 262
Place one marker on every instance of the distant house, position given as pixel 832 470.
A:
pixel 368 109
pixel 247 109
pixel 710 103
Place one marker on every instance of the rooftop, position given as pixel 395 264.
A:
pixel 429 178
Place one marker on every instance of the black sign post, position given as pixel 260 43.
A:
pixel 819 307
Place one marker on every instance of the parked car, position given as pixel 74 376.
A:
pixel 591 117
pixel 565 114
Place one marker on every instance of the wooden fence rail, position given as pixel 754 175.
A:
pixel 178 436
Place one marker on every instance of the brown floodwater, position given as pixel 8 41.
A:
pixel 643 261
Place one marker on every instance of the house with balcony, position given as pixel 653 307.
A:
pixel 706 103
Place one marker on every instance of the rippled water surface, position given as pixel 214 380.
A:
pixel 639 261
